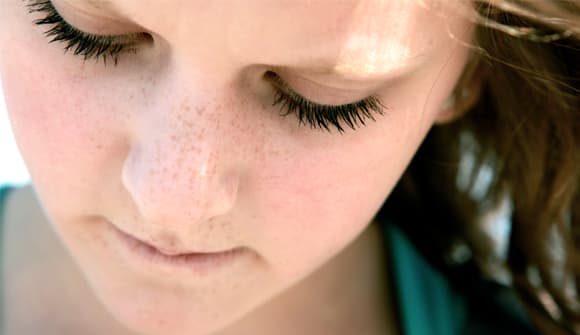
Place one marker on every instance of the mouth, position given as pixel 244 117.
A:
pixel 167 251
pixel 150 257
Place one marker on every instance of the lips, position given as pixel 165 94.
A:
pixel 154 261
pixel 163 250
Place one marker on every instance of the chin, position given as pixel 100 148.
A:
pixel 151 308
pixel 168 315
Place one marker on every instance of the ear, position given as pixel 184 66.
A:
pixel 466 94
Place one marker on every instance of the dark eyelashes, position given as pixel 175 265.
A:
pixel 324 116
pixel 80 43
pixel 109 47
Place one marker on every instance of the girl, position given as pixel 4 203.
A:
pixel 223 167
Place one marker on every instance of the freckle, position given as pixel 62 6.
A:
pixel 210 227
pixel 152 80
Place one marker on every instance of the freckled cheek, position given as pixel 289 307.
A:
pixel 319 201
pixel 52 125
pixel 345 177
pixel 61 134
pixel 332 190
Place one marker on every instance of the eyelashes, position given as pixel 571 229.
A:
pixel 324 116
pixel 98 47
pixel 109 47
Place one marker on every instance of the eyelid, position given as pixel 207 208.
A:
pixel 282 85
pixel 351 115
pixel 65 15
pixel 96 12
pixel 81 43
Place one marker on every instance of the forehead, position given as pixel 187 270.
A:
pixel 357 36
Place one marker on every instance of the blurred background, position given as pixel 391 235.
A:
pixel 12 168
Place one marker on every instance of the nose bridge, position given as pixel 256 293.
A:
pixel 180 168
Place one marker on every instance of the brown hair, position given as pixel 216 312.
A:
pixel 526 130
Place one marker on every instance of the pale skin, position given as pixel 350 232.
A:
pixel 179 144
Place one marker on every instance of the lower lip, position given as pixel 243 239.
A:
pixel 196 263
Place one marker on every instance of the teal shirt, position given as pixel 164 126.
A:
pixel 4 189
pixel 427 304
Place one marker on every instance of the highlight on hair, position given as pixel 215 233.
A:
pixel 525 129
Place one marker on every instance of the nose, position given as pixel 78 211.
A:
pixel 181 170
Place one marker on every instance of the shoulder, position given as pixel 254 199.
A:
pixel 24 220
pixel 21 204
pixel 467 302
pixel 32 250
pixel 28 243
pixel 26 258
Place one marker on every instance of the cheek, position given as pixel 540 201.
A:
pixel 59 129
pixel 62 128
pixel 318 197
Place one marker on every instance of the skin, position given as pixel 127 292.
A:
pixel 179 145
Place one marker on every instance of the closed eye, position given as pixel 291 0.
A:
pixel 319 116
pixel 86 45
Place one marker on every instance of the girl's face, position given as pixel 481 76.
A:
pixel 179 144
